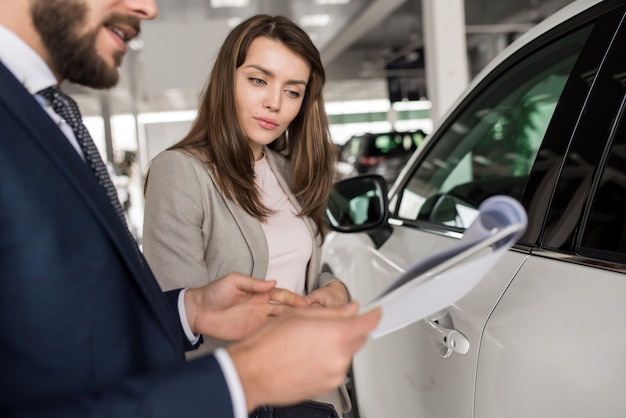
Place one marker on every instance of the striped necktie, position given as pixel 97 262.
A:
pixel 67 109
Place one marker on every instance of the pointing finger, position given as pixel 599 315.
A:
pixel 287 297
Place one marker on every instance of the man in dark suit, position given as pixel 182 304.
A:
pixel 84 329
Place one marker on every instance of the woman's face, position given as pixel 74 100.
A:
pixel 269 90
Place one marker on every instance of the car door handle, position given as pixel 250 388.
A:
pixel 451 340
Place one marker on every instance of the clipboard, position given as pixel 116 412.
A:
pixel 433 283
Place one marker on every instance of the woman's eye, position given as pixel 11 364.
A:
pixel 293 94
pixel 257 81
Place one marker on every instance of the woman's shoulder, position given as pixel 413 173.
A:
pixel 176 155
pixel 178 163
pixel 177 159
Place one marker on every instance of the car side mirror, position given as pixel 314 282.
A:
pixel 358 204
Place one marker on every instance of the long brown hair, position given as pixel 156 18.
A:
pixel 217 139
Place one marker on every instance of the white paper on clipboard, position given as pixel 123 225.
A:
pixel 431 284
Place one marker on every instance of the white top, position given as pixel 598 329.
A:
pixel 288 238
pixel 32 71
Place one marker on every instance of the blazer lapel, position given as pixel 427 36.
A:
pixel 33 118
pixel 251 230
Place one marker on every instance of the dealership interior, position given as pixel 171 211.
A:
pixel 390 65
pixel 313 208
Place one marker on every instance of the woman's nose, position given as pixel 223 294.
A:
pixel 272 101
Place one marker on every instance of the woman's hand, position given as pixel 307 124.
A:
pixel 235 306
pixel 334 294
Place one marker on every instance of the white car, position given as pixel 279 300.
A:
pixel 545 123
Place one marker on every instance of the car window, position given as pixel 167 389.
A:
pixel 605 229
pixel 351 148
pixel 489 148
pixel 390 144
pixel 417 138
pixel 382 144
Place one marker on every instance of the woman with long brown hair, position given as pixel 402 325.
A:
pixel 245 190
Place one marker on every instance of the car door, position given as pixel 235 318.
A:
pixel 494 142
pixel 554 345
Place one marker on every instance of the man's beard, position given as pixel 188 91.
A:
pixel 74 56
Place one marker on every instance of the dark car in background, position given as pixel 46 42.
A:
pixel 383 153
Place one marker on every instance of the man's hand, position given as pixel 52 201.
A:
pixel 236 305
pixel 300 355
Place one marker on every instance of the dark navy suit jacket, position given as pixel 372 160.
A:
pixel 85 330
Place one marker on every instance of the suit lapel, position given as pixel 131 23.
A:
pixel 27 112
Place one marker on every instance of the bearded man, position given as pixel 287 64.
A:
pixel 85 331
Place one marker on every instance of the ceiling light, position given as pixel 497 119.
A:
pixel 315 20
pixel 216 4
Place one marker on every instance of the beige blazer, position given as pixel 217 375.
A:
pixel 193 235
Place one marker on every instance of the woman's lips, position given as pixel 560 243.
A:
pixel 266 123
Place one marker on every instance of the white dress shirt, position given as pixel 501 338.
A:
pixel 35 75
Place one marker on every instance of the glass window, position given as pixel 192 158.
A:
pixel 606 225
pixel 350 149
pixel 382 144
pixel 490 147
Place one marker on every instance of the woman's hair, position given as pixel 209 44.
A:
pixel 217 139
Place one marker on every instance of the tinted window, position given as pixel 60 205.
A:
pixel 389 144
pixel 491 146
pixel 351 148
pixel 606 225
pixel 588 177
pixel 381 144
